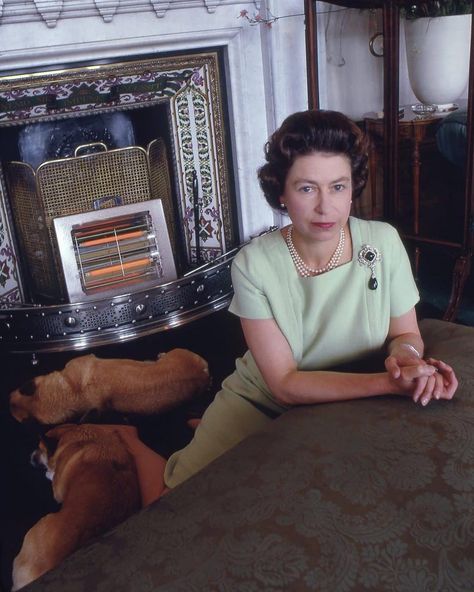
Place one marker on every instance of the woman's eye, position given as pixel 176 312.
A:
pixel 306 188
pixel 339 187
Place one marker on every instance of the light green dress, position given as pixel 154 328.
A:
pixel 328 320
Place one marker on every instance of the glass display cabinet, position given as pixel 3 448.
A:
pixel 412 184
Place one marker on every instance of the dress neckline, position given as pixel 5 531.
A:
pixel 354 233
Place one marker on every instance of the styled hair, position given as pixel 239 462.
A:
pixel 306 132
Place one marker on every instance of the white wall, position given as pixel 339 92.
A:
pixel 352 78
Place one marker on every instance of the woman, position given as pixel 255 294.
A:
pixel 326 290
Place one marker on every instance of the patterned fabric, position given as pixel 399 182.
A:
pixel 372 495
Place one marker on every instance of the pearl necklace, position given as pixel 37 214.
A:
pixel 306 271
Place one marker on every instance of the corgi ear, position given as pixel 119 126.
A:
pixel 57 432
pixel 50 444
pixel 28 388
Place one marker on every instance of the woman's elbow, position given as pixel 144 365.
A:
pixel 282 398
pixel 283 392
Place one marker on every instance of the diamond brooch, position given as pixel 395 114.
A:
pixel 368 257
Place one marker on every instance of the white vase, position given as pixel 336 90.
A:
pixel 438 51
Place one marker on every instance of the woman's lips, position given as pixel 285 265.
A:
pixel 324 225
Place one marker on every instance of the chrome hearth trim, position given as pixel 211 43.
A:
pixel 80 326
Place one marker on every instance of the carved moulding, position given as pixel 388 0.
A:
pixel 211 5
pixel 50 10
pixel 107 8
pixel 21 11
pixel 160 8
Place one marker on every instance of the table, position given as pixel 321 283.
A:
pixel 372 495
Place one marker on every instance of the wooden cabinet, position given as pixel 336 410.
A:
pixel 391 134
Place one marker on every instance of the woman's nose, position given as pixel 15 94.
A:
pixel 322 201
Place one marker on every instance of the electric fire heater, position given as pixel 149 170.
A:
pixel 113 251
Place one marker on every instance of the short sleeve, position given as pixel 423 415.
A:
pixel 250 300
pixel 403 290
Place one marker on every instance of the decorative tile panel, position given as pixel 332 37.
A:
pixel 9 284
pixel 197 154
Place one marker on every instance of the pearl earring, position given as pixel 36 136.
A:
pixel 282 205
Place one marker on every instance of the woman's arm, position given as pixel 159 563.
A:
pixel 291 386
pixel 405 349
pixel 404 339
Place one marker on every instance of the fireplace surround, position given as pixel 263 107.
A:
pixel 175 105
pixel 261 86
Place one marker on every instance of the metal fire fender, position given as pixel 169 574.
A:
pixel 62 327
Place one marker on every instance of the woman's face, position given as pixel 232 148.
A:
pixel 318 194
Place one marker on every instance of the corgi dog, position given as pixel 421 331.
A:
pixel 88 383
pixel 94 478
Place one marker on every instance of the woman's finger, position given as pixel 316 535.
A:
pixel 417 371
pixel 420 387
pixel 450 386
pixel 442 367
pixel 439 364
pixel 439 388
pixel 450 382
pixel 392 367
pixel 428 392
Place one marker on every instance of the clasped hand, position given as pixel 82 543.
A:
pixel 421 379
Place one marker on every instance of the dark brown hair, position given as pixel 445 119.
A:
pixel 312 131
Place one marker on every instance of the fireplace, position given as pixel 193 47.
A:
pixel 172 105
pixel 208 85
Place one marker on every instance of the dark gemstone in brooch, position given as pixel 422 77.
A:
pixel 373 283
pixel 368 257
